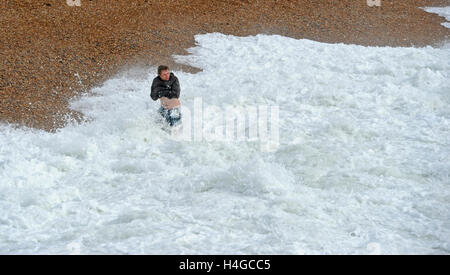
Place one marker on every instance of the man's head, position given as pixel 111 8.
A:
pixel 164 72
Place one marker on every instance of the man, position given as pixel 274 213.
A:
pixel 167 88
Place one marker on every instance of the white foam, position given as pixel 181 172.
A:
pixel 363 160
pixel 441 11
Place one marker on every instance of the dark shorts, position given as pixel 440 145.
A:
pixel 172 116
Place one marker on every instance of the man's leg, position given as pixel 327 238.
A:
pixel 174 116
pixel 162 111
pixel 164 114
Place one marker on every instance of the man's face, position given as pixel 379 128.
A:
pixel 165 75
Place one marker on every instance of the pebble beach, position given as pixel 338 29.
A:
pixel 53 51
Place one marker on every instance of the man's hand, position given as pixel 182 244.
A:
pixel 163 93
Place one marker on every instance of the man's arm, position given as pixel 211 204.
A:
pixel 157 91
pixel 154 92
pixel 175 92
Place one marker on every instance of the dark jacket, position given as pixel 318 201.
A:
pixel 169 89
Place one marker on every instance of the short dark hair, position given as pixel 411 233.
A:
pixel 162 68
